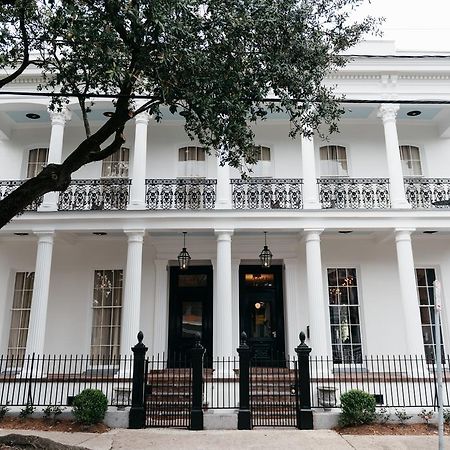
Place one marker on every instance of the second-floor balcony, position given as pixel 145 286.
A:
pixel 423 192
pixel 7 186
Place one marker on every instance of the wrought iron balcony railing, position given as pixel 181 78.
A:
pixel 423 192
pixel 7 186
pixel 183 193
pixel 267 193
pixel 354 193
pixel 91 195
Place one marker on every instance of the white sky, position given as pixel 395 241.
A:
pixel 413 24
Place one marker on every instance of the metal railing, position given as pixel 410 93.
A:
pixel 189 193
pixel 7 186
pixel 395 381
pixel 54 380
pixel 266 193
pixel 354 193
pixel 92 195
pixel 422 192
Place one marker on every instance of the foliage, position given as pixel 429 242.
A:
pixel 89 407
pixel 384 415
pixel 426 416
pixel 52 412
pixel 447 416
pixel 358 408
pixel 26 411
pixel 3 410
pixel 402 416
pixel 220 65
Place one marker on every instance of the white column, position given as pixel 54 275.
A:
pixel 223 193
pixel 388 113
pixel 408 292
pixel 137 191
pixel 39 301
pixel 58 120
pixel 318 323
pixel 223 315
pixel 161 314
pixel 291 316
pixel 235 306
pixel 310 191
pixel 132 292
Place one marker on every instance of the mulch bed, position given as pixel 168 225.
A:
pixel 377 429
pixel 16 423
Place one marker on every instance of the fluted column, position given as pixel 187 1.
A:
pixel 222 310
pixel 132 291
pixel 408 292
pixel 58 120
pixel 223 192
pixel 309 175
pixel 318 322
pixel 137 191
pixel 388 113
pixel 161 314
pixel 39 301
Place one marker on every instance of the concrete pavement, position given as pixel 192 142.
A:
pixel 256 439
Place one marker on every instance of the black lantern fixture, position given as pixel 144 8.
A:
pixel 266 255
pixel 184 257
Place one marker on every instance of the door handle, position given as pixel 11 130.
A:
pixel 274 334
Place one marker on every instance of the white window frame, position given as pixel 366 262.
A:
pixel 334 163
pixel 106 290
pixel 20 313
pixel 192 161
pixel 116 165
pixel 337 306
pixel 408 163
pixel 34 168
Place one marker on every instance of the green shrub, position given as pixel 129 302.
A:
pixel 358 407
pixel 90 406
pixel 26 411
pixel 52 412
pixel 3 410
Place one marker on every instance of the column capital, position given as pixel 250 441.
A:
pixel 403 234
pixel 60 116
pixel 143 117
pixel 135 235
pixel 312 234
pixel 224 235
pixel 388 112
pixel 45 236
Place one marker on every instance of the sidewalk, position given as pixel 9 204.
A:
pixel 255 439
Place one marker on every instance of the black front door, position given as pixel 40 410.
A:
pixel 190 310
pixel 261 311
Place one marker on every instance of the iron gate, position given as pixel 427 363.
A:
pixel 274 393
pixel 168 392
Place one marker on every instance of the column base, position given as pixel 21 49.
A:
pixel 400 204
pixel 136 205
pixel 244 420
pixel 48 207
pixel 196 420
pixel 223 205
pixel 305 419
pixel 136 419
pixel 311 204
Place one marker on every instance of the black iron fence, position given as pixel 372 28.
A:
pixel 423 192
pixel 56 380
pixel 395 381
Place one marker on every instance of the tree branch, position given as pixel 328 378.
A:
pixel 110 149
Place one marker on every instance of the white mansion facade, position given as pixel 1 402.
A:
pixel 355 237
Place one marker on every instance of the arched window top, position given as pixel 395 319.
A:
pixel 333 161
pixel 411 164
pixel 191 153
pixel 37 159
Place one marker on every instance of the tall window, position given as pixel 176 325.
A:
pixel 20 314
pixel 333 161
pixel 116 165
pixel 37 159
pixel 191 154
pixel 344 315
pixel 107 306
pixel 425 279
pixel 410 157
pixel 262 153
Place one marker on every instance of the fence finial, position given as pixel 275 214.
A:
pixel 140 337
pixel 302 337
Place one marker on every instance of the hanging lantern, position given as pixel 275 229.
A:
pixel 184 257
pixel 266 255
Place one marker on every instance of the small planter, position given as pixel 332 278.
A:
pixel 326 396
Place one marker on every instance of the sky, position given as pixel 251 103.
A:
pixel 413 24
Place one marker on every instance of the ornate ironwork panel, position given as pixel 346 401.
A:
pixel 92 195
pixel 267 193
pixel 184 193
pixel 7 186
pixel 354 193
pixel 423 192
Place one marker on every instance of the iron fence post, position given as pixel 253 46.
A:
pixel 244 415
pixel 197 353
pixel 303 409
pixel 136 419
